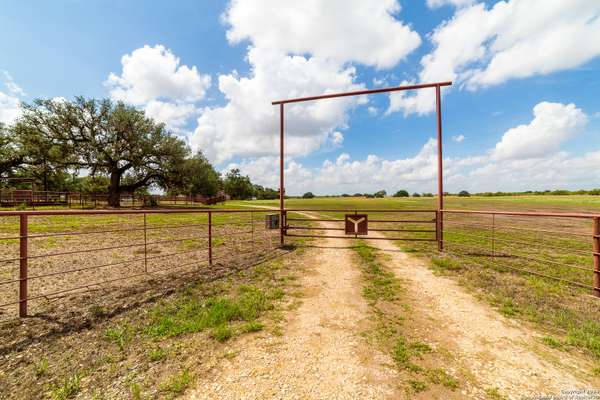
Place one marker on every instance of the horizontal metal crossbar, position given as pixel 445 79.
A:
pixel 363 92
pixel 360 237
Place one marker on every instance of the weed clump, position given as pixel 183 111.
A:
pixel 68 389
pixel 194 314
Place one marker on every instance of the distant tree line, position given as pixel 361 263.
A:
pixel 465 193
pixel 101 146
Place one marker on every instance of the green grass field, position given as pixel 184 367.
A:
pixel 579 203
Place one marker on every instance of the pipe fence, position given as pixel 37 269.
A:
pixel 35 198
pixel 563 247
pixel 50 255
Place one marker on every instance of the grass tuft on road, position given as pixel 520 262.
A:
pixel 383 292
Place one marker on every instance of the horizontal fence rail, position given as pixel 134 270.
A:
pixel 35 198
pixel 47 255
pixel 563 247
pixel 409 225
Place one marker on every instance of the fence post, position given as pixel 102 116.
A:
pixel 145 247
pixel 493 237
pixel 252 228
pixel 23 265
pixel 596 240
pixel 210 258
pixel 439 229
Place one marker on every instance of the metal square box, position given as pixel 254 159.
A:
pixel 272 221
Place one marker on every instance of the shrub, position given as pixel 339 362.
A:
pixel 416 194
pixel 380 194
pixel 401 193
pixel 150 202
pixel 308 195
pixel 464 193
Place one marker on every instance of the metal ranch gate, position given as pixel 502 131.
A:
pixel 352 227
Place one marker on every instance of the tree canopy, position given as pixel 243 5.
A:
pixel 401 193
pixel 237 186
pixel 103 137
pixel 196 176
pixel 10 155
pixel 117 149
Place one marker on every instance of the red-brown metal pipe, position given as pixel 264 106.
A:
pixel 127 212
pixel 145 245
pixel 363 92
pixel 440 214
pixel 210 258
pixel 362 210
pixel 281 179
pixel 23 266
pixel 525 213
pixel 596 241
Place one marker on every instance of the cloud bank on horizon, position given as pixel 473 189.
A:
pixel 313 47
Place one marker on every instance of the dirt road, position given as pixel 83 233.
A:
pixel 321 354
pixel 498 352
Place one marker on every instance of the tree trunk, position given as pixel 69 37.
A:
pixel 114 190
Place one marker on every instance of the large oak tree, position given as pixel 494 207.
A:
pixel 105 138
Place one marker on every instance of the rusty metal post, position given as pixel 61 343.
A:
pixel 596 240
pixel 145 246
pixel 210 257
pixel 438 106
pixel 493 237
pixel 438 229
pixel 23 259
pixel 252 228
pixel 281 178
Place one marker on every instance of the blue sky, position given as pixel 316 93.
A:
pixel 210 69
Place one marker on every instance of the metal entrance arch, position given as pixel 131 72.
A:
pixel 283 226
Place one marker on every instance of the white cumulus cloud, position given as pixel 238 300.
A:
pixel 248 125
pixel 343 30
pixel 10 99
pixel 10 108
pixel 154 72
pixel 480 46
pixel 175 115
pixel 552 125
pixel 455 3
pixel 155 79
pixel 528 157
pixel 298 49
